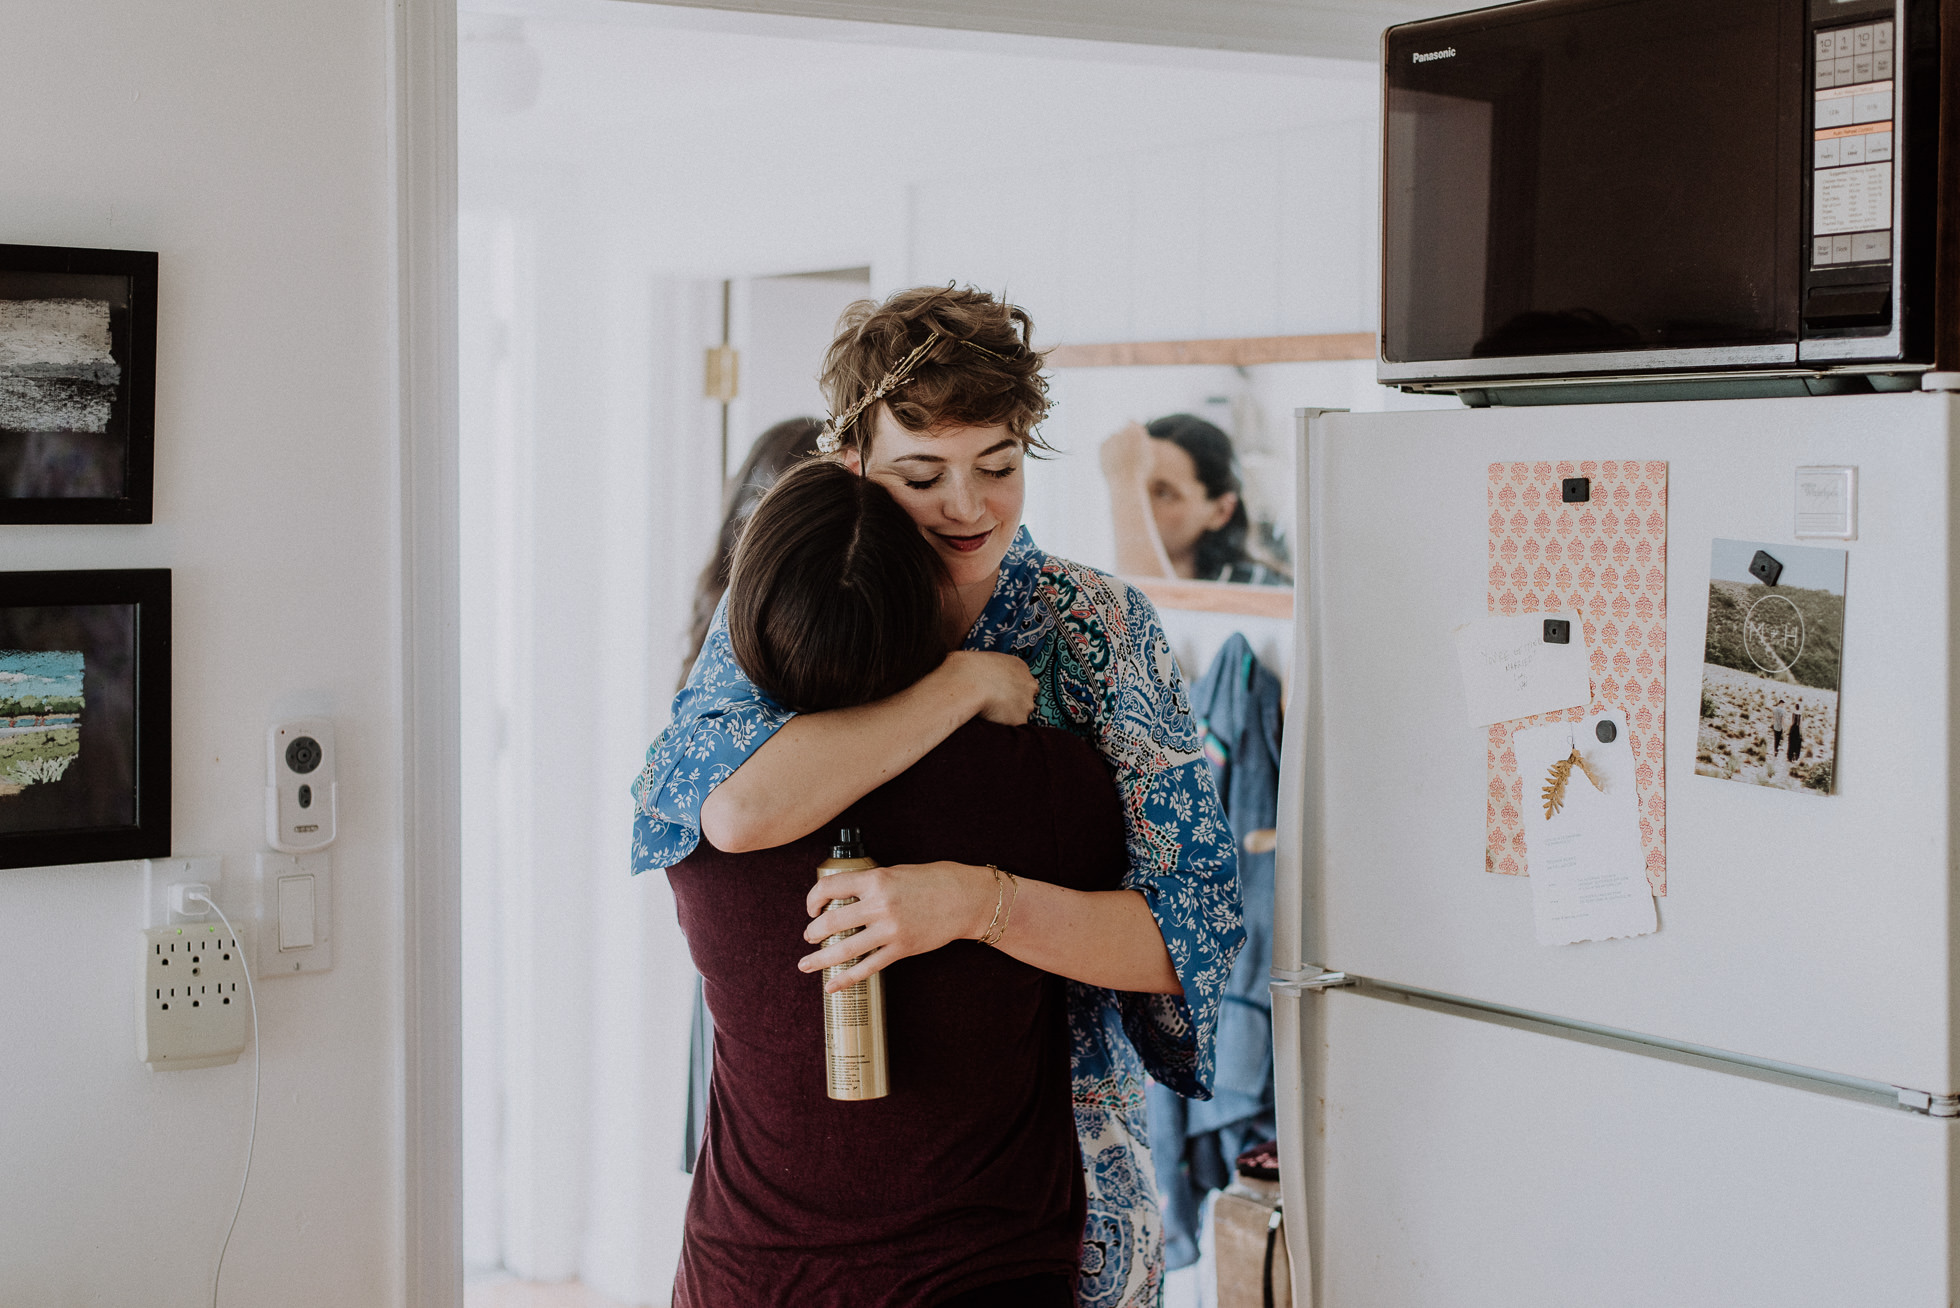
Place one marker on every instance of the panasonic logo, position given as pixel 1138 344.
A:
pixel 1434 55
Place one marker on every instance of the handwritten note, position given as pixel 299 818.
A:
pixel 1582 831
pixel 1509 671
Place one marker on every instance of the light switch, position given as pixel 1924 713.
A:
pixel 296 912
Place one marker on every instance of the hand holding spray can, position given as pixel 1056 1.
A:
pixel 854 1017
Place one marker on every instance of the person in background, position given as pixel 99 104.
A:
pixel 777 450
pixel 773 453
pixel 1177 504
pixel 961 1186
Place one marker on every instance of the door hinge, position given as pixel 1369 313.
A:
pixel 720 377
pixel 1932 1105
pixel 1308 978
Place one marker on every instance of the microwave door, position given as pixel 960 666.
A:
pixel 1617 181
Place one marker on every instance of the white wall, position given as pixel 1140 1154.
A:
pixel 249 145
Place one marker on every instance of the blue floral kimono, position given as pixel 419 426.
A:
pixel 1104 671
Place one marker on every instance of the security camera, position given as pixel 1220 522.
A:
pixel 300 792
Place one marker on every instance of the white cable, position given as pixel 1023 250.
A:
pixel 252 1137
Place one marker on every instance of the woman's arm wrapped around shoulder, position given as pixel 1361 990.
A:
pixel 750 774
pixel 720 720
pixel 1183 858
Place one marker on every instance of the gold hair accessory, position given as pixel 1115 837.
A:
pixel 832 437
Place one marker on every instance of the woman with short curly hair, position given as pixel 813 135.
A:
pixel 937 394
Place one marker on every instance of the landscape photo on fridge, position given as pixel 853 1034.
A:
pixel 1770 666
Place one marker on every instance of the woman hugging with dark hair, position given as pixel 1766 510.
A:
pixel 963 1185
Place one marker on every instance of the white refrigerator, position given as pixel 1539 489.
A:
pixel 1752 1105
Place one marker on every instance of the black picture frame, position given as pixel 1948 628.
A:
pixel 51 373
pixel 112 628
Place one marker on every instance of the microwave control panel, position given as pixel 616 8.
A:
pixel 1851 175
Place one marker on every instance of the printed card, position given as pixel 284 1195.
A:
pixel 1582 831
pixel 1770 664
pixel 1510 669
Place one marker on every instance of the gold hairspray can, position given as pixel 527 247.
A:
pixel 854 1017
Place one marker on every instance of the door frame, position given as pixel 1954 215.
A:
pixel 422 90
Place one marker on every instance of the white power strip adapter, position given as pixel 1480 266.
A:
pixel 194 1013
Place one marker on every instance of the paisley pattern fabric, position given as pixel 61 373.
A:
pixel 1103 670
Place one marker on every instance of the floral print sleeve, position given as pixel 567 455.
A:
pixel 1182 854
pixel 1104 670
pixel 720 718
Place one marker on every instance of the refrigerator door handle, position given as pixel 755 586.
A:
pixel 1308 978
pixel 1291 939
pixel 1292 975
pixel 1290 1106
pixel 1932 1105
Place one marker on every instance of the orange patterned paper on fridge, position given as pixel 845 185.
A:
pixel 1605 559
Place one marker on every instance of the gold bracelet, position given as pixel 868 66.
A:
pixel 991 936
pixel 1011 901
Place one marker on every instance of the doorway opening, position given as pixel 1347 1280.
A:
pixel 642 186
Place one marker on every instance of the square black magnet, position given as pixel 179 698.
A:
pixel 1576 490
pixel 1558 631
pixel 1765 569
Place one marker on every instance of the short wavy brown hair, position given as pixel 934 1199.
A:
pixel 994 379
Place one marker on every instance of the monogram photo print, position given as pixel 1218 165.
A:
pixel 1769 677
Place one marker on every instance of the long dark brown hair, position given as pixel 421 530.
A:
pixel 775 450
pixel 835 595
pixel 1216 466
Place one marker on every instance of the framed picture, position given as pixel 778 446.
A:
pixel 78 345
pixel 84 716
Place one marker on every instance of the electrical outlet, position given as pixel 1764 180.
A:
pixel 160 874
pixel 194 999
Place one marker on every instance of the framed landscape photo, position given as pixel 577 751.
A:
pixel 84 716
pixel 78 345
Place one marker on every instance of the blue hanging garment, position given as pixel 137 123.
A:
pixel 1193 1142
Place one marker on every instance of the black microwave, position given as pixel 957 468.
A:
pixel 1606 199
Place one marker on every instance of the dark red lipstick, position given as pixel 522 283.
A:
pixel 965 544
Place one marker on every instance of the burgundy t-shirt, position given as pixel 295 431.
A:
pixel 967 1173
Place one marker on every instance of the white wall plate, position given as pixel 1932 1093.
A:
pixel 295 917
pixel 159 874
